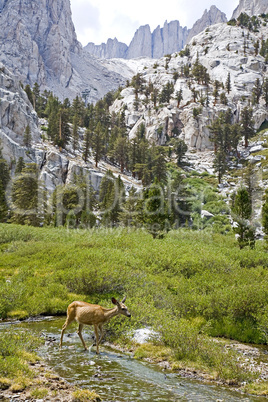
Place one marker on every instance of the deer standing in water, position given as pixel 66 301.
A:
pixel 92 314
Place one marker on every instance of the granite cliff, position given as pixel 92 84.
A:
pixel 251 7
pixel 220 49
pixel 166 40
pixel 211 17
pixel 39 44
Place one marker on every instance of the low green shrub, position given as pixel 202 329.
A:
pixel 189 285
pixel 13 362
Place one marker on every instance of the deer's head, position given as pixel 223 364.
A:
pixel 122 308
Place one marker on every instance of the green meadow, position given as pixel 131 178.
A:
pixel 190 286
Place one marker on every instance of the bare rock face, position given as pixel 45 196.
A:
pixel 169 39
pixel 16 113
pixel 251 7
pixel 211 17
pixel 219 49
pixel 110 50
pixel 37 38
pixel 38 43
pixel 141 44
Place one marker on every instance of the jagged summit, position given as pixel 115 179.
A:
pixel 221 50
pixel 171 38
pixel 211 17
pixel 110 50
pixel 145 43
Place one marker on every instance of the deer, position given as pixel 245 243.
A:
pixel 92 314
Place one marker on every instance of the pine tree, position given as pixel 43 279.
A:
pixel 166 92
pixel 129 212
pixel 120 152
pixel 86 144
pixel 75 133
pixel 36 95
pixel 235 136
pixel 27 138
pixel 179 97
pixel 97 143
pixel 195 94
pixel 3 204
pixel 257 47
pixel 222 134
pixel 20 165
pixel 241 211
pixel 155 210
pixel 223 98
pixel 78 111
pixel 29 93
pixel 177 194
pixel 64 132
pixel 256 91
pixel 159 166
pixel 228 83
pixel 154 96
pixel 4 171
pixel 216 91
pixel 111 198
pixel 51 111
pixel 220 164
pixel 27 199
pixel 4 180
pixel 265 215
pixel 247 124
pixel 179 148
pixel 265 91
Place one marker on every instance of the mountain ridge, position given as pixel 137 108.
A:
pixel 171 38
pixel 38 43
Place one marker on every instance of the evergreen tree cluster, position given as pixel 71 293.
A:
pixel 105 135
pixel 4 180
pixel 226 136
pixel 158 207
pixel 251 23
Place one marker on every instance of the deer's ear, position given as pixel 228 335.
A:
pixel 114 301
pixel 124 299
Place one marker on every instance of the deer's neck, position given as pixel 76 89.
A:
pixel 110 313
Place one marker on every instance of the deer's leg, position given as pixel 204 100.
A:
pixel 101 332
pixel 65 325
pixel 97 338
pixel 80 335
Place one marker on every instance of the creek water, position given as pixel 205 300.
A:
pixel 116 376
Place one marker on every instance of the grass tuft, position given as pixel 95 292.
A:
pixel 85 395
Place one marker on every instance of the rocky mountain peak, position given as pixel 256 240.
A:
pixel 38 43
pixel 141 44
pixel 169 39
pixel 110 50
pixel 211 17
pixel 251 7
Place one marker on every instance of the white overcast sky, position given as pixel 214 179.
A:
pixel 97 20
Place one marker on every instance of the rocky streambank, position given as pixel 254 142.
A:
pixel 45 384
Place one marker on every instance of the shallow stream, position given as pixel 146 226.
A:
pixel 116 376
